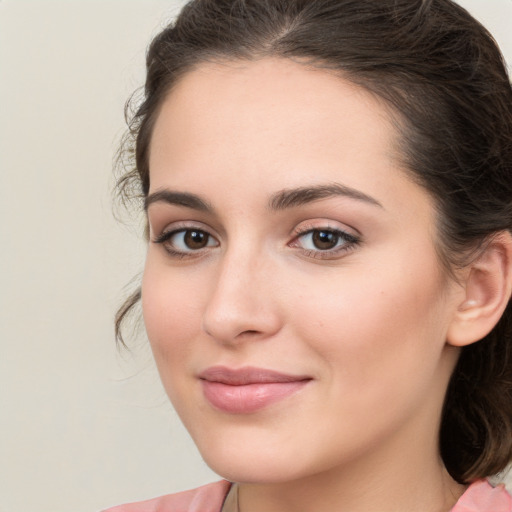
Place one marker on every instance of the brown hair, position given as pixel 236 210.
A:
pixel 442 72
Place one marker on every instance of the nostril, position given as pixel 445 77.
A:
pixel 249 332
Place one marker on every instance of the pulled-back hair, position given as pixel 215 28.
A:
pixel 446 82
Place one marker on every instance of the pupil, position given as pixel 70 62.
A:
pixel 325 239
pixel 196 239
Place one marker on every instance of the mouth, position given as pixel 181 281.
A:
pixel 249 389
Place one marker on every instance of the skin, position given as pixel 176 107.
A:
pixel 367 321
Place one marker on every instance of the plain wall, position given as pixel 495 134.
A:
pixel 82 425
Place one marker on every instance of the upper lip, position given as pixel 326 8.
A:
pixel 247 375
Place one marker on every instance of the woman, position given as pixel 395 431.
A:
pixel 328 189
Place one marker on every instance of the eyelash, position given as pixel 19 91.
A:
pixel 349 242
pixel 167 235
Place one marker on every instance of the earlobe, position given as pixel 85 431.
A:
pixel 487 290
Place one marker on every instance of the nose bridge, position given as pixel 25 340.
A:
pixel 240 301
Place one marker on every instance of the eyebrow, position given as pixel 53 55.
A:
pixel 291 198
pixel 178 198
pixel 282 200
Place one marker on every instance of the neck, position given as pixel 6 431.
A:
pixel 428 490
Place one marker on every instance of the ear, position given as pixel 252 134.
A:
pixel 487 289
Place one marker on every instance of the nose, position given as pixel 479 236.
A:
pixel 242 304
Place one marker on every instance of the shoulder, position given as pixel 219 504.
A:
pixel 481 496
pixel 207 498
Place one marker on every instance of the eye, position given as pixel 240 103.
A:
pixel 186 241
pixel 324 242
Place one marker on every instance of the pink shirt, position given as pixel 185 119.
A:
pixel 479 497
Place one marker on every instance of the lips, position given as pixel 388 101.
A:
pixel 247 390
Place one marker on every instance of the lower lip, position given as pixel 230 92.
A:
pixel 248 398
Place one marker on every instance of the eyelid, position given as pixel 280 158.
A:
pixel 166 235
pixel 324 224
pixel 174 227
pixel 162 217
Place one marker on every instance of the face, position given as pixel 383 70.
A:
pixel 292 295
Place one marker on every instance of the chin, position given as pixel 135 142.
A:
pixel 254 463
pixel 253 472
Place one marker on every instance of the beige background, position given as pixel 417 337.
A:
pixel 82 426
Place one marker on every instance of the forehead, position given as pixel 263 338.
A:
pixel 272 124
pixel 277 95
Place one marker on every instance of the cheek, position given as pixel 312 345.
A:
pixel 379 340
pixel 171 309
pixel 386 321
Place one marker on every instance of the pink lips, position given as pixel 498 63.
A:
pixel 246 390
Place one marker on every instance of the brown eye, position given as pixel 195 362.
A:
pixel 186 241
pixel 325 243
pixel 195 239
pixel 325 240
